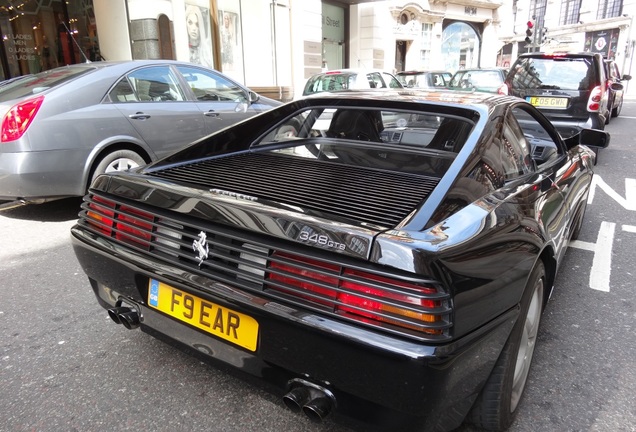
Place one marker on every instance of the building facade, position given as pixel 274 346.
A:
pixel 273 46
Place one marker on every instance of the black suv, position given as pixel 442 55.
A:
pixel 571 89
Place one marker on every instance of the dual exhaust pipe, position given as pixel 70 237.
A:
pixel 314 401
pixel 126 315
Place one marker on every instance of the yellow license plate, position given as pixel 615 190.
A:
pixel 232 326
pixel 548 102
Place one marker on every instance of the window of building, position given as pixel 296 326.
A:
pixel 570 11
pixel 44 34
pixel 537 13
pixel 425 43
pixel 609 9
pixel 269 47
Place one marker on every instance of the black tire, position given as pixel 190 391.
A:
pixel 578 223
pixel 616 111
pixel 496 405
pixel 119 160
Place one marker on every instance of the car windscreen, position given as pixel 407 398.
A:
pixel 40 82
pixel 405 141
pixel 329 82
pixel 476 78
pixel 559 73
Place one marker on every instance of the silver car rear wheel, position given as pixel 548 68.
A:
pixel 119 160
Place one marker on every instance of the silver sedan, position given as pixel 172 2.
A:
pixel 62 128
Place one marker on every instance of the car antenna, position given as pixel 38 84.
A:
pixel 86 60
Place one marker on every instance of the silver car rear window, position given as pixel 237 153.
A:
pixel 38 83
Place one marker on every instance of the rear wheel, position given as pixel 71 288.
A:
pixel 616 111
pixel 119 160
pixel 496 406
pixel 578 223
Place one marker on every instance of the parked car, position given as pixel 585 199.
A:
pixel 393 270
pixel 63 127
pixel 615 96
pixel 481 79
pixel 424 79
pixel 347 79
pixel 571 89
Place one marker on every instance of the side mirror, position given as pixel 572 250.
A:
pixel 626 77
pixel 589 137
pixel 253 97
pixel 594 138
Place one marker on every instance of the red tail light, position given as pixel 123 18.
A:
pixel 17 120
pixel 355 294
pixel 594 103
pixel 129 224
pixel 369 302
pixel 304 279
pixel 133 225
pixel 503 90
pixel 101 214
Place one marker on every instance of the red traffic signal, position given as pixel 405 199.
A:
pixel 529 32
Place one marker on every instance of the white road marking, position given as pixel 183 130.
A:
pixel 602 262
pixel 629 228
pixel 628 203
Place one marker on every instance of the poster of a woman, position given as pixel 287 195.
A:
pixel 199 40
pixel 229 38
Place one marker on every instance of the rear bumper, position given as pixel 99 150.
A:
pixel 376 378
pixel 48 174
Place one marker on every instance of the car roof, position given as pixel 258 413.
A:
pixel 560 54
pixel 351 70
pixel 418 72
pixel 476 100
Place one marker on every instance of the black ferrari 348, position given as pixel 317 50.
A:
pixel 384 254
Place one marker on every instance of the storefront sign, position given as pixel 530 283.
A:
pixel 604 42
pixel 22 47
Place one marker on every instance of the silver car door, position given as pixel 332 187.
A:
pixel 155 104
pixel 221 101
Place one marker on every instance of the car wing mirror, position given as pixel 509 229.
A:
pixel 253 97
pixel 626 77
pixel 590 138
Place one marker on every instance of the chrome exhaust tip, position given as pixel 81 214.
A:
pixel 297 398
pixel 127 316
pixel 318 408
pixel 315 401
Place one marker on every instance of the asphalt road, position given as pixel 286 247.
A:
pixel 64 366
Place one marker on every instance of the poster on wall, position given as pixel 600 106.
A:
pixel 604 42
pixel 230 36
pixel 199 34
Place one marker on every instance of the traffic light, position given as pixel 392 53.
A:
pixel 529 32
pixel 544 36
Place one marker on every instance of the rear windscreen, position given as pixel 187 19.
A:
pixel 558 73
pixel 406 141
pixel 34 84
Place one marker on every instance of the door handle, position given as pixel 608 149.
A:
pixel 139 116
pixel 211 113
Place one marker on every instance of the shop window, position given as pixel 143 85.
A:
pixel 45 34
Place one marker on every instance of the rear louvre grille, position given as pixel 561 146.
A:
pixel 415 307
pixel 378 197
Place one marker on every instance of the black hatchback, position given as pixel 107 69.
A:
pixel 571 89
